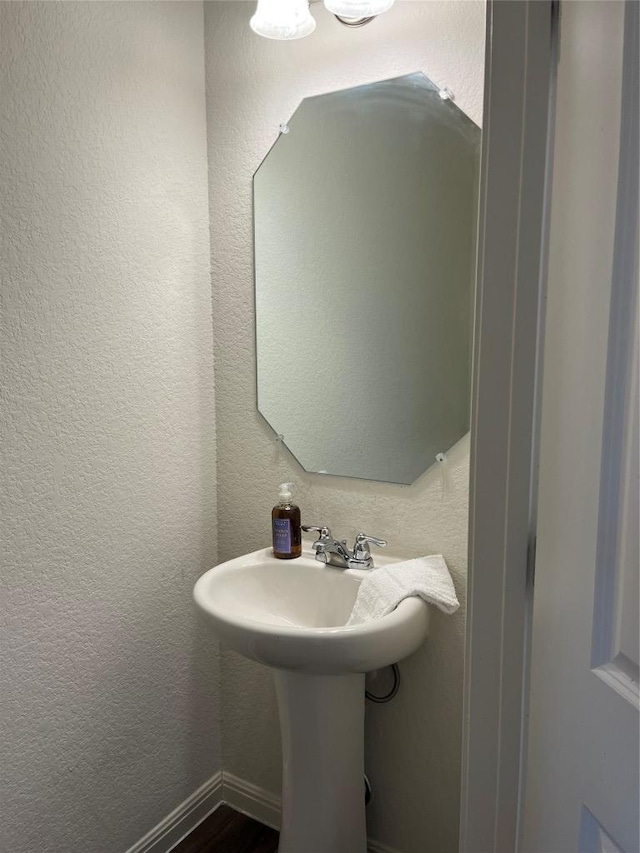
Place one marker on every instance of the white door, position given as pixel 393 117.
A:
pixel 581 789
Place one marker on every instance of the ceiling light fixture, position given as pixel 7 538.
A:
pixel 291 19
pixel 283 19
pixel 357 10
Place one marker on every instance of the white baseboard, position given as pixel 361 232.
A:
pixel 251 800
pixel 241 795
pixel 264 806
pixel 183 819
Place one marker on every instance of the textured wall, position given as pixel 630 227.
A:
pixel 109 690
pixel 413 744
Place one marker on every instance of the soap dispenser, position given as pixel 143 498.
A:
pixel 285 526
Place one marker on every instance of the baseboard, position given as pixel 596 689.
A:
pixel 183 819
pixel 265 806
pixel 251 800
pixel 241 795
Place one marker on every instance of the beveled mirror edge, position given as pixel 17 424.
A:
pixel 284 129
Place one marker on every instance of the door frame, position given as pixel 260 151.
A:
pixel 512 239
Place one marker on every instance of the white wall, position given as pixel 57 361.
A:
pixel 413 743
pixel 109 690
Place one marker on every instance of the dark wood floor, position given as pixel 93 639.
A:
pixel 228 831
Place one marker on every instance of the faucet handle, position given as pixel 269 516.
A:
pixel 324 532
pixel 324 539
pixel 361 550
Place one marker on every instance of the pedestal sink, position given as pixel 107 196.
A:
pixel 290 615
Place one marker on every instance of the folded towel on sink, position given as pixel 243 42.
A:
pixel 383 589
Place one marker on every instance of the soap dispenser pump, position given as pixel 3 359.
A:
pixel 285 526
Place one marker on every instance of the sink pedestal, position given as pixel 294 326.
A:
pixel 322 725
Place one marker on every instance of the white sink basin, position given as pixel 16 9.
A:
pixel 291 614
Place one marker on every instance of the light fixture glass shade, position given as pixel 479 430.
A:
pixel 283 19
pixel 358 8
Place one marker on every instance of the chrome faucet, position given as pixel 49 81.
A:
pixel 334 552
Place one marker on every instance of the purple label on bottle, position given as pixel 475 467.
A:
pixel 282 535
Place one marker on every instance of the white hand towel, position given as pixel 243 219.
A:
pixel 383 589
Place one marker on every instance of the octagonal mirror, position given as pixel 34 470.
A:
pixel 365 215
